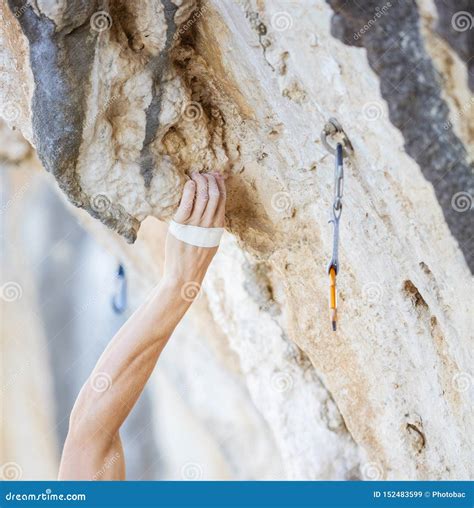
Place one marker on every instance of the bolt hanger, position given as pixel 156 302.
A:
pixel 333 128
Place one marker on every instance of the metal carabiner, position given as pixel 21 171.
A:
pixel 333 267
pixel 338 177
pixel 119 299
pixel 337 207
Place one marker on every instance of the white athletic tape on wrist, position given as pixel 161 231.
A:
pixel 196 235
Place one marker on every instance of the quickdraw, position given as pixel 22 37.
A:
pixel 333 266
pixel 119 299
pixel 343 149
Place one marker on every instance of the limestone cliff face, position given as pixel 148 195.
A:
pixel 122 99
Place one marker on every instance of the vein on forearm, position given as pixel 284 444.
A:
pixel 128 362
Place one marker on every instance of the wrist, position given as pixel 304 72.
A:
pixel 168 294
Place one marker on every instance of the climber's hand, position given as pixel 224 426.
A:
pixel 202 204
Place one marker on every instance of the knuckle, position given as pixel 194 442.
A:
pixel 214 192
pixel 187 206
pixel 204 194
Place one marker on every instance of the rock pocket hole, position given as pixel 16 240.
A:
pixel 415 296
pixel 417 438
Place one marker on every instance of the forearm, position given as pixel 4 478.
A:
pixel 128 361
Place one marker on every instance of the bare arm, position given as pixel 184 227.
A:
pixel 93 449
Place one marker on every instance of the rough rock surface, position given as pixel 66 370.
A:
pixel 411 88
pixel 165 88
pixel 455 24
